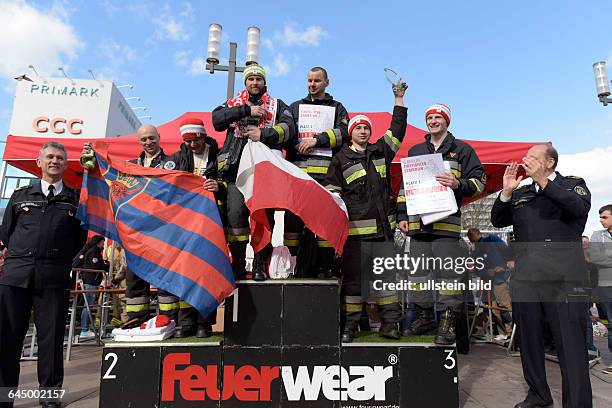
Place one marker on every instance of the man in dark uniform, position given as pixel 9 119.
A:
pixel 253 114
pixel 548 217
pixel 318 139
pixel 42 236
pixel 137 293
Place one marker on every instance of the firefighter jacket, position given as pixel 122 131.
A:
pixel 42 237
pixel 363 180
pixel 225 116
pixel 548 225
pixel 465 166
pixel 157 162
pixel 329 141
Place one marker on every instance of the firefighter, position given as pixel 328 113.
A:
pixel 440 239
pixel 360 174
pixel 312 152
pixel 253 114
pixel 198 155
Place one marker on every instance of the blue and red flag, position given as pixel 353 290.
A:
pixel 168 225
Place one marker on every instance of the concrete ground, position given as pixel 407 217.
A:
pixel 487 378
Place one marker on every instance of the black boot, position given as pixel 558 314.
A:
pixel 423 324
pixel 204 331
pixel 185 331
pixel 348 334
pixel 260 265
pixel 238 251
pixel 390 331
pixel 446 330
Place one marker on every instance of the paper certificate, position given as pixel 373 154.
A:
pixel 314 119
pixel 424 195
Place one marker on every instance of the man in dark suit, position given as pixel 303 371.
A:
pixel 547 286
pixel 42 236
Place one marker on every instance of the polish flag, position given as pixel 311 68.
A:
pixel 267 180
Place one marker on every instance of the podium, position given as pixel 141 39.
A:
pixel 281 348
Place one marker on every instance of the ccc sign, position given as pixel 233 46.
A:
pixel 44 124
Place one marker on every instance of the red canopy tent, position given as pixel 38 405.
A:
pixel 21 151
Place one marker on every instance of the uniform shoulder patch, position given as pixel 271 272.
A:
pixel 23 187
pixel 574 177
pixel 169 165
pixel 580 190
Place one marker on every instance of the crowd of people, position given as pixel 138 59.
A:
pixel 42 235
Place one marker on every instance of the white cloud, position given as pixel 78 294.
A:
pixel 116 56
pixel 181 58
pixel 591 166
pixel 198 66
pixel 310 36
pixel 281 65
pixel 42 38
pixel 169 26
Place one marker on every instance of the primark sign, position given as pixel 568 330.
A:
pixel 70 108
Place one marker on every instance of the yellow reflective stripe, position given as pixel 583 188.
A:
pixel 184 305
pixel 382 170
pixel 449 292
pixel 291 242
pixel 392 141
pixel 456 173
pixel 414 225
pixel 351 307
pixel 315 170
pixel 447 227
pixel 168 306
pixel 137 308
pixel 478 184
pixel 401 198
pixel 387 300
pixel 323 244
pixel 237 238
pixel 281 132
pixel 355 176
pixel 362 230
pixel 332 138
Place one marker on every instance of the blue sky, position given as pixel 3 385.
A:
pixel 510 71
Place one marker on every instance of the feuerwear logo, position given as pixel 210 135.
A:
pixel 250 383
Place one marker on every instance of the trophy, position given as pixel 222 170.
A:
pixel 395 80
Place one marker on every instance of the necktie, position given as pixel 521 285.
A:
pixel 51 191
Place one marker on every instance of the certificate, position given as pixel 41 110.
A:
pixel 424 195
pixel 314 119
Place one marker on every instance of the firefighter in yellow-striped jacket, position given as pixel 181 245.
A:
pixel 441 238
pixel 360 174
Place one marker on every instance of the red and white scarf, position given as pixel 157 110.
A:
pixel 268 102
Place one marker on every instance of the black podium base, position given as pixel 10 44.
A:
pixel 281 348
pixel 407 373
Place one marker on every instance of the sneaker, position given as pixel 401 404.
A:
pixel 87 334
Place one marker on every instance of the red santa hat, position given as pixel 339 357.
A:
pixel 359 120
pixel 440 109
pixel 192 128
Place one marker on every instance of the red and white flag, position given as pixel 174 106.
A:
pixel 267 180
